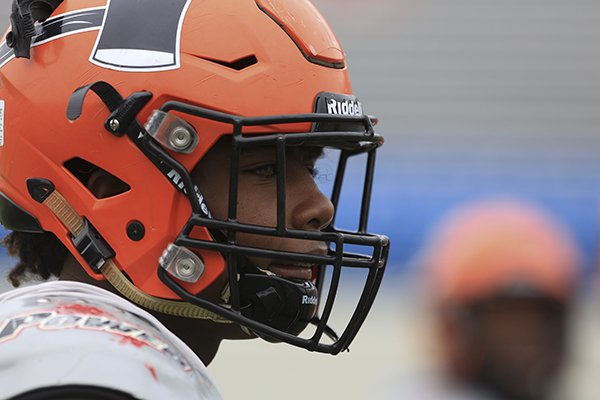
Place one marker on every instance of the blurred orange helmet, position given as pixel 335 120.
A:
pixel 170 79
pixel 500 248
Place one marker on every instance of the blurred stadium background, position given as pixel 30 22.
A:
pixel 476 99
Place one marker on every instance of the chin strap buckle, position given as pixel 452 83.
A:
pixel 88 242
pixel 123 112
pixel 92 247
pixel 24 15
pixel 23 29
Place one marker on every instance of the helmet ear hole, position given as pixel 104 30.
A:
pixel 101 183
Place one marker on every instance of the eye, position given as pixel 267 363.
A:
pixel 264 171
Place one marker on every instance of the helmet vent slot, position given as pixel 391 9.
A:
pixel 101 183
pixel 238 65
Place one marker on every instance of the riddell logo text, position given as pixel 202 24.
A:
pixel 309 299
pixel 178 181
pixel 345 107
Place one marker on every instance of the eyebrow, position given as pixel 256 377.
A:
pixel 307 152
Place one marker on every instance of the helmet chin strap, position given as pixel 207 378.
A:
pixel 280 303
pixel 289 305
pixel 43 191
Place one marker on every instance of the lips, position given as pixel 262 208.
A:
pixel 302 272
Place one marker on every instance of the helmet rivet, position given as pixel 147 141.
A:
pixel 114 124
pixel 185 267
pixel 180 138
pixel 135 231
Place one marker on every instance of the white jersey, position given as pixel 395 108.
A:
pixel 71 333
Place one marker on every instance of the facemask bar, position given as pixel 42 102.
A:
pixel 352 143
pixel 124 112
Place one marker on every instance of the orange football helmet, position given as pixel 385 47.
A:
pixel 501 247
pixel 172 78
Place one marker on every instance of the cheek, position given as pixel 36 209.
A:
pixel 215 198
pixel 261 242
pixel 257 204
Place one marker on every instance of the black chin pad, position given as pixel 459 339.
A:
pixel 280 303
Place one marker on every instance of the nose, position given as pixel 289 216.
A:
pixel 311 209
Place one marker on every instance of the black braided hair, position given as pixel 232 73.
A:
pixel 41 255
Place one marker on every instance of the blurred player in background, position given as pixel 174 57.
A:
pixel 166 153
pixel 502 276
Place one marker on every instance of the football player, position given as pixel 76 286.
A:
pixel 167 152
pixel 503 275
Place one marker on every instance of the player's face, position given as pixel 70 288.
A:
pixel 522 345
pixel 307 208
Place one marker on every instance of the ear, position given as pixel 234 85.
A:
pixel 103 185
